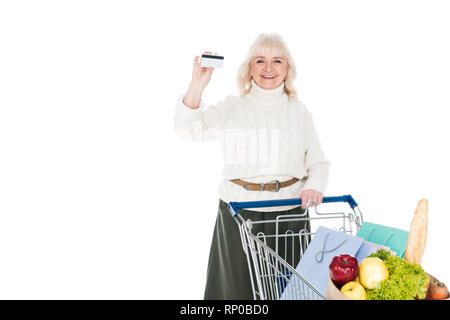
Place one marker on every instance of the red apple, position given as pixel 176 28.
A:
pixel 343 268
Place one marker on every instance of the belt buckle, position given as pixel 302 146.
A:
pixel 277 187
pixel 261 186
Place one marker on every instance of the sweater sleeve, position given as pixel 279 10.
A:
pixel 316 163
pixel 200 124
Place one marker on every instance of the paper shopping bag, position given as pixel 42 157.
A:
pixel 314 264
pixel 393 238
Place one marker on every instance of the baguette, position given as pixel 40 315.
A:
pixel 417 236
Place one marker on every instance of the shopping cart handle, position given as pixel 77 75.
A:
pixel 235 206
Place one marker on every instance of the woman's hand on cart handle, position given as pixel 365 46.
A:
pixel 311 195
pixel 200 79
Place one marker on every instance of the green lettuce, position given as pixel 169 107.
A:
pixel 406 280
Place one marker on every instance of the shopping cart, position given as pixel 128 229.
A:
pixel 272 258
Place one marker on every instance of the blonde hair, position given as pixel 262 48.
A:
pixel 267 44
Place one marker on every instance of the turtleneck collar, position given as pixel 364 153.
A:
pixel 264 96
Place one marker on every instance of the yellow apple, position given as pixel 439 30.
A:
pixel 354 290
pixel 372 271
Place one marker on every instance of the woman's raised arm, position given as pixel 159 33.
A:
pixel 200 79
pixel 191 120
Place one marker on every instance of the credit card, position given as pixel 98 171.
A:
pixel 211 61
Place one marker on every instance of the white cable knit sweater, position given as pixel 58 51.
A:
pixel 264 137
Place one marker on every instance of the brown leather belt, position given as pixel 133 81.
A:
pixel 273 186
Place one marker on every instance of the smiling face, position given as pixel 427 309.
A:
pixel 268 71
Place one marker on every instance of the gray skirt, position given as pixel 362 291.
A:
pixel 228 276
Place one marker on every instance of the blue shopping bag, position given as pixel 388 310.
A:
pixel 314 264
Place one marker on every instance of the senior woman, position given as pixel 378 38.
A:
pixel 271 151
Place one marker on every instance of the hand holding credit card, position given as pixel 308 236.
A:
pixel 201 75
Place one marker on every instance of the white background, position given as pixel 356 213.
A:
pixel 99 199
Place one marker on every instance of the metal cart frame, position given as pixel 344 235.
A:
pixel 270 271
